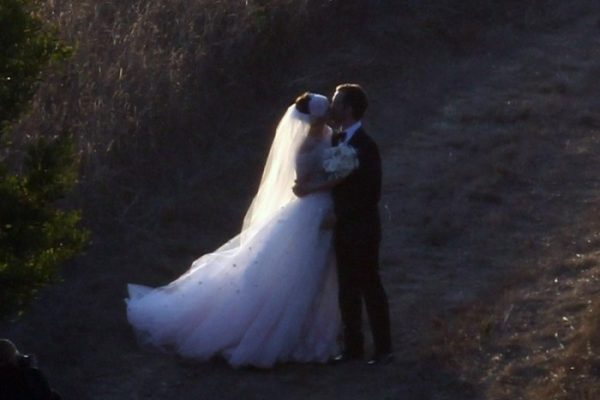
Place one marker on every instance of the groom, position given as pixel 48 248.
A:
pixel 357 233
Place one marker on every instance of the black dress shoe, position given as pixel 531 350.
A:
pixel 346 357
pixel 381 359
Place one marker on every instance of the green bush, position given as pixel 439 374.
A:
pixel 36 237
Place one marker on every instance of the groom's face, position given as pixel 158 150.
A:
pixel 338 108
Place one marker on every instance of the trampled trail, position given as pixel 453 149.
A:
pixel 490 163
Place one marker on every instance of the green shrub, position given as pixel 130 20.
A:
pixel 36 237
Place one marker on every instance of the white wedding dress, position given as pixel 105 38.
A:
pixel 268 295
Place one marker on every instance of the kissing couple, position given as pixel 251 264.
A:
pixel 307 256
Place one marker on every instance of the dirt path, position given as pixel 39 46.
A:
pixel 470 163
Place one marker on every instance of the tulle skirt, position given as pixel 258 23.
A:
pixel 266 296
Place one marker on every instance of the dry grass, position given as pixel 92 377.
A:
pixel 533 333
pixel 167 99
pixel 158 86
pixel 158 92
pixel 155 96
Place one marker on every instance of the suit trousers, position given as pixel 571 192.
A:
pixel 357 251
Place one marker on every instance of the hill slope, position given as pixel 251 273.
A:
pixel 489 195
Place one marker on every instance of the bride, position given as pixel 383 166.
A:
pixel 269 294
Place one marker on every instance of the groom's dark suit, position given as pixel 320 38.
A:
pixel 357 236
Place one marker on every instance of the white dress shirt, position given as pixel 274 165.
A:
pixel 351 130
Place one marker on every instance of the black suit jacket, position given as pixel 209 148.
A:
pixel 356 198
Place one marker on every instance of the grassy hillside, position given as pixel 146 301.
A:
pixel 157 87
pixel 486 115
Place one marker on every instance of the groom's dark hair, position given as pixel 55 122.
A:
pixel 355 97
pixel 302 103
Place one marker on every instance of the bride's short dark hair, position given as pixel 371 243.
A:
pixel 302 103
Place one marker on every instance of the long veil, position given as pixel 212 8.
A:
pixel 279 174
pixel 275 189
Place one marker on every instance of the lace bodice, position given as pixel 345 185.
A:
pixel 309 160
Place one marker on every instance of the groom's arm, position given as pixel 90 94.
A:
pixel 302 189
